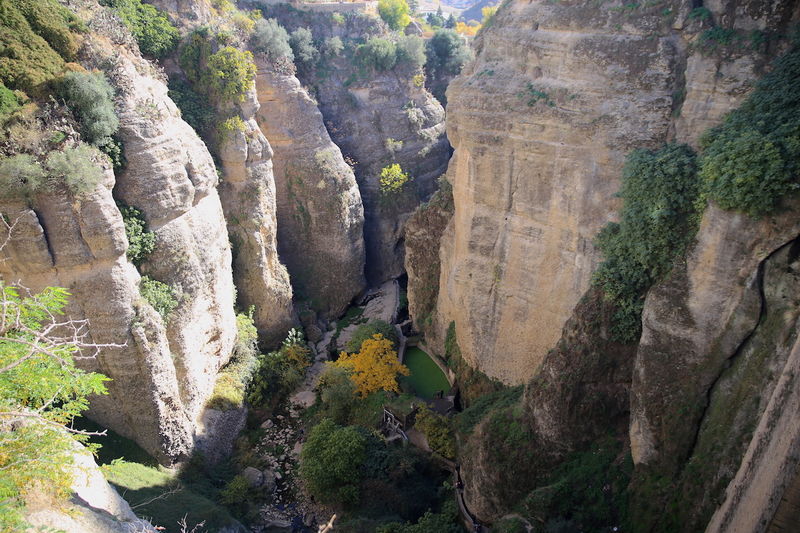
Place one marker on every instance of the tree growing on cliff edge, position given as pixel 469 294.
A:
pixel 394 13
pixel 41 392
pixel 375 367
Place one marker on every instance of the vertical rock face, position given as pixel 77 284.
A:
pixel 541 122
pixel 248 199
pixel 162 369
pixel 320 215
pixel 378 121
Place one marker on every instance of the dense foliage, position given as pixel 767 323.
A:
pixel 195 109
pixel 331 460
pixel 272 40
pixel 437 431
pixel 234 378
pixel 446 53
pixel 20 176
pixel 91 98
pixel 393 179
pixel 394 13
pixel 156 35
pixel 159 295
pixel 657 221
pixel 229 74
pixel 36 38
pixel 141 242
pixel 377 53
pixel 41 390
pixel 306 54
pixel 366 331
pixel 278 373
pixel 76 167
pixel 375 367
pixel 752 159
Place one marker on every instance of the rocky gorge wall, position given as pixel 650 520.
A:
pixel 541 122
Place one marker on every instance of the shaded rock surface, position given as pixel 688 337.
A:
pixel 319 210
pixel 249 201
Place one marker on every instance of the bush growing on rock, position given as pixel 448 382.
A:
pixel 278 373
pixel 332 47
pixel 76 167
pixel 91 98
pixel 141 242
pixel 153 31
pixel 159 295
pixel 20 175
pixel 229 74
pixel 272 40
pixel 410 51
pixel 305 53
pixel 437 431
pixel 446 53
pixel 377 53
pixel 393 179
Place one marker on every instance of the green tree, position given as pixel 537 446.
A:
pixel 41 392
pixel 306 54
pixel 366 331
pixel 229 74
pixel 91 98
pixel 331 460
pixel 446 53
pixel 377 53
pixel 394 13
pixel 393 179
pixel 156 35
pixel 272 40
pixel 141 242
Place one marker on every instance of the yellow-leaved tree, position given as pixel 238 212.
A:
pixel 375 367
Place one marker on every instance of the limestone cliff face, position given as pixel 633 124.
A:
pixel 364 119
pixel 248 199
pixel 541 122
pixel 319 210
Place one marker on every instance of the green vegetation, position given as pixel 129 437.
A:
pixel 76 167
pixel 141 242
pixel 657 222
pixel 159 295
pixel 41 391
pixel 366 331
pixel 445 521
pixel 195 109
pixel 305 53
pixel 331 460
pixel 20 176
pixel 587 492
pixel 446 53
pixel 278 373
pixel 700 13
pixel 426 377
pixel 229 74
pixel 166 497
pixel 466 420
pixel 752 160
pixel 233 379
pixel 394 13
pixel 472 382
pixel 36 38
pixel 91 98
pixel 410 51
pixel 332 47
pixel 532 96
pixel 230 126
pixel 377 53
pixel 437 431
pixel 155 34
pixel 272 40
pixel 8 101
pixel 393 179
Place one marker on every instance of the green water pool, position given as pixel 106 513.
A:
pixel 426 377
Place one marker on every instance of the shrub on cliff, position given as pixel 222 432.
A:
pixel 410 51
pixel 91 98
pixel 752 160
pixel 305 53
pixel 272 40
pixel 446 53
pixel 37 37
pixel 394 13
pixel 159 295
pixel 393 179
pixel 229 74
pixel 156 35
pixel 437 431
pixel 76 167
pixel 141 242
pixel 657 221
pixel 20 176
pixel 377 53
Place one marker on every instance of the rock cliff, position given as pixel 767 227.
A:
pixel 541 122
pixel 163 368
pixel 249 202
pixel 319 210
